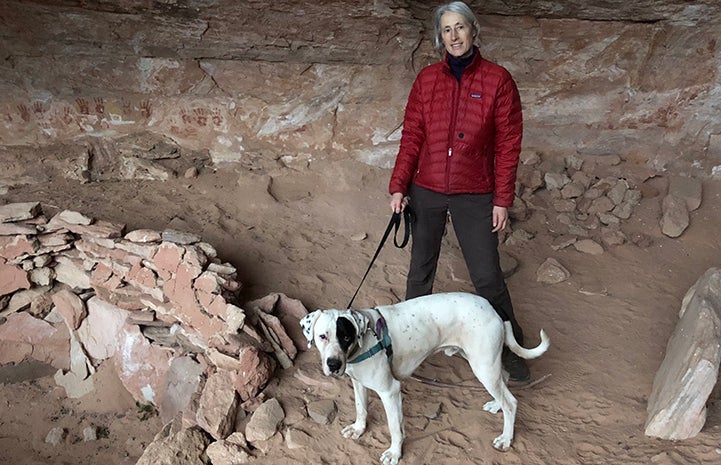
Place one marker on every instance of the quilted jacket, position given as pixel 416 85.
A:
pixel 461 138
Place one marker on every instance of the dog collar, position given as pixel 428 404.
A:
pixel 384 342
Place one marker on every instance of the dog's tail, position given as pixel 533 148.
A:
pixel 521 351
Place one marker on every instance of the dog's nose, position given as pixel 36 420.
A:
pixel 334 365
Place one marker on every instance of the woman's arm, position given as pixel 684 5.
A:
pixel 412 139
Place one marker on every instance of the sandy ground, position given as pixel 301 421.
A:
pixel 296 231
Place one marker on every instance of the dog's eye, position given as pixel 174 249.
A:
pixel 323 337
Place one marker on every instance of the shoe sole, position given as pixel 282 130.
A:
pixel 518 382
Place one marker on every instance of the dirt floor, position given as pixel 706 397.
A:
pixel 300 232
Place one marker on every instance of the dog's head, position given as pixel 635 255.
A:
pixel 336 334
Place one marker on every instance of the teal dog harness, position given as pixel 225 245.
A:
pixel 384 342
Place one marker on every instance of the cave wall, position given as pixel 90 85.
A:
pixel 260 82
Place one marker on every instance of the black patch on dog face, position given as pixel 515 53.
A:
pixel 345 332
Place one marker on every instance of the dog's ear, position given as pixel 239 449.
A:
pixel 307 323
pixel 359 320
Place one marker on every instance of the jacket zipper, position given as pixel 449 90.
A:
pixel 454 117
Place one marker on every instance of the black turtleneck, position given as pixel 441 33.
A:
pixel 459 64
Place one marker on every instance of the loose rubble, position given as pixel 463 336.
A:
pixel 591 197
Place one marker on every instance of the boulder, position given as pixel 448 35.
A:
pixel 690 368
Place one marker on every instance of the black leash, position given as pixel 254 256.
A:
pixel 395 222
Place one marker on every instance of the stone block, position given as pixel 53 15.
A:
pixel 19 211
pixel 186 447
pixel 181 384
pixel 675 218
pixel 265 421
pixel 100 330
pixel 13 247
pixel 689 371
pixel 142 366
pixel 218 404
pixel 12 278
pixel 71 307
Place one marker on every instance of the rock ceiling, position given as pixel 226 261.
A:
pixel 599 10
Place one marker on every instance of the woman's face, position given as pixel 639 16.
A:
pixel 456 33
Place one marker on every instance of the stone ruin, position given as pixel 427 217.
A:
pixel 160 307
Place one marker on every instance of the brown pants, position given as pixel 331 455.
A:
pixel 472 216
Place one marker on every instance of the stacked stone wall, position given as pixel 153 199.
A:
pixel 159 306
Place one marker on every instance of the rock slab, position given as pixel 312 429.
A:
pixel 689 371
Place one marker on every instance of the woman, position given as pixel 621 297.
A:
pixel 458 154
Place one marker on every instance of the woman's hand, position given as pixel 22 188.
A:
pixel 500 218
pixel 398 202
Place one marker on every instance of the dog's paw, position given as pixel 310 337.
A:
pixel 493 406
pixel 353 431
pixel 502 443
pixel 390 457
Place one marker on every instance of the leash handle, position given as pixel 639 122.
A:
pixel 395 222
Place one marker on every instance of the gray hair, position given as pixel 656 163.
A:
pixel 461 9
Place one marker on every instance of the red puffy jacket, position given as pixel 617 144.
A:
pixel 460 139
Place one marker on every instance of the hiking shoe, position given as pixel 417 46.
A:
pixel 516 367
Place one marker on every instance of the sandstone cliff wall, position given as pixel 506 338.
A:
pixel 284 81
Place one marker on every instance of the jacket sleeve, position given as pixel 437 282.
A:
pixel 508 118
pixel 412 140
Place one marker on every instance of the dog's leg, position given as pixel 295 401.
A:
pixel 392 403
pixel 355 430
pixel 508 405
pixel 490 375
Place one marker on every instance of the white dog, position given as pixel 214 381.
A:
pixel 378 347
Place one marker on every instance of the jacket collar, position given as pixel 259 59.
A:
pixel 471 67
